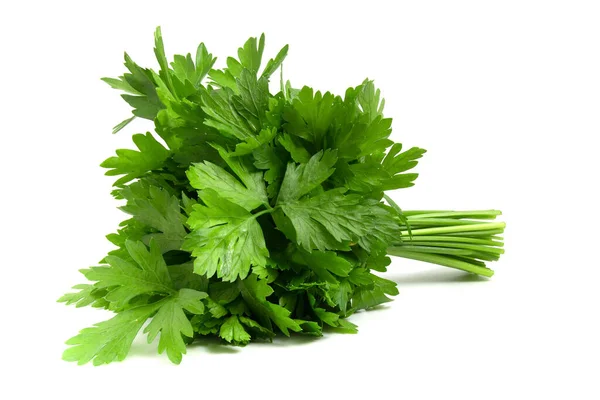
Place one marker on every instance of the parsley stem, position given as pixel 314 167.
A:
pixel 439 222
pixel 487 226
pixel 454 245
pixel 458 239
pixel 441 260
pixel 480 214
pixel 263 212
pixel 455 239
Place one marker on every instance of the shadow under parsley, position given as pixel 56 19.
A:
pixel 433 277
pixel 214 345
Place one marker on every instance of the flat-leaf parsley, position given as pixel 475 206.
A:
pixel 254 214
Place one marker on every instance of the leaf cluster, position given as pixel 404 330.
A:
pixel 251 214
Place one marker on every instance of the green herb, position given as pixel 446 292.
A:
pixel 254 214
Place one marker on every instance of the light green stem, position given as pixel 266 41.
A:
pixel 487 226
pixel 455 239
pixel 441 260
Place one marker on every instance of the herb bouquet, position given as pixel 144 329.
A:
pixel 254 214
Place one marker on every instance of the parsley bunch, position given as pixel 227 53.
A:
pixel 254 214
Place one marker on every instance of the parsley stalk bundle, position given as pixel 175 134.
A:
pixel 255 214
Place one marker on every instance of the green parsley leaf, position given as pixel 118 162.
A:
pixel 171 322
pixel 218 106
pixel 109 340
pixel 301 179
pixel 208 176
pixel 133 164
pixel 156 208
pixel 275 63
pixel 324 264
pixel 296 149
pixel 139 82
pixel 310 116
pixel 255 328
pixel 233 331
pixel 254 142
pixel 225 239
pixel 339 295
pixel 125 280
pixel 250 55
pixel 255 293
pixel 253 99
pixel 271 158
pixel 332 220
pixel 87 295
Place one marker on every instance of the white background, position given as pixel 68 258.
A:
pixel 505 96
